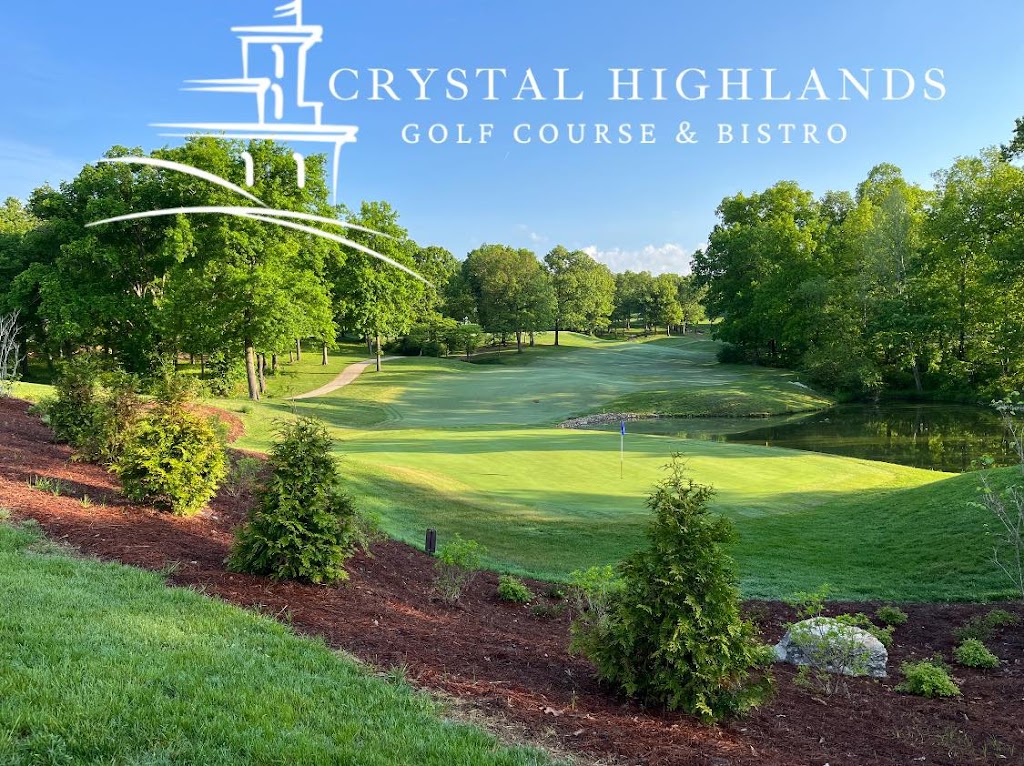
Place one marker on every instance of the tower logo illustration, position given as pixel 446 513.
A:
pixel 281 100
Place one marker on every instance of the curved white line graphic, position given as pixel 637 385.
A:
pixel 188 170
pixel 257 215
pixel 233 211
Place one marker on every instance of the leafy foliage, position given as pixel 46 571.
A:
pixel 171 458
pixel 673 634
pixel 927 679
pixel 982 627
pixel 305 527
pixel 972 653
pixel 456 567
pixel 515 590
pixel 242 475
pixel 892 616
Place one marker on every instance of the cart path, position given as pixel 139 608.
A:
pixel 346 376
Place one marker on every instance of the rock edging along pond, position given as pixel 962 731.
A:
pixel 605 418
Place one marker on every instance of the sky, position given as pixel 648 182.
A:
pixel 81 77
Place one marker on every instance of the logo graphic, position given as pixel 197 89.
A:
pixel 285 48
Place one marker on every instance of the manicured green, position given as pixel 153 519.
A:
pixel 104 664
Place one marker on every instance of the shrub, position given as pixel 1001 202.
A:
pixel 172 459
pixel 891 616
pixel 515 590
pixel 590 596
pixel 862 621
pixel 242 475
pixel 456 565
pixel 673 634
pixel 74 410
pixel 831 651
pixel 927 679
pixel 305 527
pixel 809 604
pixel 547 611
pixel 982 627
pixel 972 653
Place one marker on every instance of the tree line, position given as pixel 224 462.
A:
pixel 890 287
pixel 237 293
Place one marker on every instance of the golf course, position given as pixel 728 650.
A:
pixel 474 449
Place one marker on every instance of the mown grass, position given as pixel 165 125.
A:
pixel 103 664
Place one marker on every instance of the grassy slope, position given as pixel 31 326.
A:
pixel 105 665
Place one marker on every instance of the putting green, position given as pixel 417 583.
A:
pixel 470 448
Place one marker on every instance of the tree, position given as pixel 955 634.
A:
pixel 1015 148
pixel 512 290
pixel 691 301
pixel 584 290
pixel 663 306
pixel 371 296
pixel 673 634
pixel 631 291
pixel 259 284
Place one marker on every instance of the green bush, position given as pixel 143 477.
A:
pixel 891 616
pixel 972 653
pixel 547 611
pixel 242 475
pixel 171 458
pixel 673 634
pixel 305 527
pixel 591 592
pixel 73 412
pixel 983 626
pixel 927 679
pixel 456 565
pixel 810 604
pixel 862 621
pixel 515 590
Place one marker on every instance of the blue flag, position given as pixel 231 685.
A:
pixel 622 428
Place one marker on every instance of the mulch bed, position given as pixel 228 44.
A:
pixel 513 664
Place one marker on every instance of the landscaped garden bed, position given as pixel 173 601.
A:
pixel 512 661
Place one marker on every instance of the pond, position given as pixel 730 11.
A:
pixel 942 437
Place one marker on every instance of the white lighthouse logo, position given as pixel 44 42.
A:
pixel 282 50
pixel 274 66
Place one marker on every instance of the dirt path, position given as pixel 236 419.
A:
pixel 346 376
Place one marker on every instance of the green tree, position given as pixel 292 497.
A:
pixel 513 292
pixel 371 296
pixel 584 290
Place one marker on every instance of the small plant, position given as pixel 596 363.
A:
pixel 809 604
pixel 927 679
pixel 891 616
pixel 515 590
pixel 982 627
pixel 45 484
pixel 242 476
pixel 5 513
pixel 457 565
pixel 555 592
pixel 862 621
pixel 305 528
pixel 547 611
pixel 86 502
pixel 832 654
pixel 972 653
pixel 173 459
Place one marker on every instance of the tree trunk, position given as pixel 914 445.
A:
pixel 917 375
pixel 519 341
pixel 533 340
pixel 202 366
pixel 557 328
pixel 325 360
pixel 261 368
pixel 250 371
pixel 291 356
pixel 273 364
pixel 298 349
pixel 378 352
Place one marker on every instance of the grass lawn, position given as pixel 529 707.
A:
pixel 469 448
pixel 104 664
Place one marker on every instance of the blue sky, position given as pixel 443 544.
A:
pixel 80 77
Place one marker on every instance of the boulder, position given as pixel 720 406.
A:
pixel 830 645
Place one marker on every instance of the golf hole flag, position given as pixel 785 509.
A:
pixel 622 447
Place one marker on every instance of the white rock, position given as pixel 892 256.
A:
pixel 829 645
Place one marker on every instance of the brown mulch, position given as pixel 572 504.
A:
pixel 509 662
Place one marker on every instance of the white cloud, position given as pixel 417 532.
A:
pixel 657 259
pixel 534 237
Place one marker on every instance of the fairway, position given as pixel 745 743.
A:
pixel 471 448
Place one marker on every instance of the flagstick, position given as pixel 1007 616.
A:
pixel 622 454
